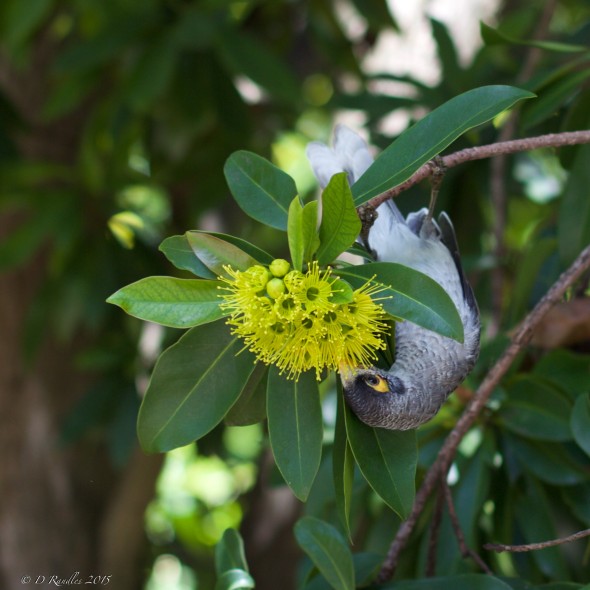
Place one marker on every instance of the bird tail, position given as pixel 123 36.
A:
pixel 350 154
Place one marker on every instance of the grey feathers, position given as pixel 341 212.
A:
pixel 428 366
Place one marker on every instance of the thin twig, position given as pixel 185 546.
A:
pixel 499 548
pixel 466 551
pixel 498 194
pixel 441 465
pixel 434 534
pixel 551 140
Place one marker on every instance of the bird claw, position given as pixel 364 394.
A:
pixel 367 215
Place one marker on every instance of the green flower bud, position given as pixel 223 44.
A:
pixel 275 287
pixel 279 267
pixel 260 275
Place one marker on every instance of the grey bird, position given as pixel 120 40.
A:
pixel 428 366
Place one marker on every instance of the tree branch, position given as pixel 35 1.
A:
pixel 499 548
pixel 485 151
pixel 434 534
pixel 498 192
pixel 466 551
pixel 441 465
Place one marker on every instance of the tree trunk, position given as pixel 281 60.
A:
pixel 63 511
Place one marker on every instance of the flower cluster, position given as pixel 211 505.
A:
pixel 297 321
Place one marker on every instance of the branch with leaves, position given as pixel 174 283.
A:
pixel 263 332
pixel 443 461
pixel 551 140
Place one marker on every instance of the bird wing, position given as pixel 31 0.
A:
pixel 449 239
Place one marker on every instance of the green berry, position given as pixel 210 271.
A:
pixel 260 275
pixel 275 287
pixel 279 267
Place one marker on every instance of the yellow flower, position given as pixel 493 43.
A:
pixel 296 325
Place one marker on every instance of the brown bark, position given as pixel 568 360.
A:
pixel 62 510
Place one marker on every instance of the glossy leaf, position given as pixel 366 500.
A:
pixel 342 292
pixel 533 513
pixel 342 466
pixel 178 303
pixel 246 55
pixel 20 19
pixel 295 428
pixel 549 462
pixel 216 253
pixel 580 422
pixel 251 405
pixel 181 255
pixel 387 459
pixel 261 189
pixel 302 232
pixel 552 98
pixel 366 567
pixel 460 582
pixel 152 74
pixel 194 384
pixel 257 253
pixel 565 369
pixel 537 410
pixel 413 296
pixel 235 579
pixel 179 252
pixel 573 224
pixel 492 36
pixel 229 552
pixel 340 223
pixel 432 134
pixel 328 550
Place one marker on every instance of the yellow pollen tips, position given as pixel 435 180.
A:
pixel 288 318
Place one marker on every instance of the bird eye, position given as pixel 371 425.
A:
pixel 377 383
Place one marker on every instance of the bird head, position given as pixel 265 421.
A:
pixel 373 393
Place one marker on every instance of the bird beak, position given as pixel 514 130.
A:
pixel 347 373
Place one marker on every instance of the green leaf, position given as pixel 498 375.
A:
pixel 552 98
pixel 414 296
pixel 342 466
pixel 533 513
pixel 327 550
pixel 215 253
pixel 152 73
pixel 341 292
pixel 432 134
pixel 20 19
pixel 573 224
pixel 246 55
pixel 181 255
pixel 580 422
pixel 295 428
pixel 537 410
pixel 179 252
pixel 460 582
pixel 235 579
pixel 550 462
pixel 178 303
pixel 340 223
pixel 387 459
pixel 567 370
pixel 254 251
pixel 194 384
pixel 229 552
pixel 251 405
pixel 492 36
pixel 261 189
pixel 302 232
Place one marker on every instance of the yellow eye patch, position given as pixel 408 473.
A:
pixel 377 383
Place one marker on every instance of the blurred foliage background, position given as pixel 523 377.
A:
pixel 115 121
